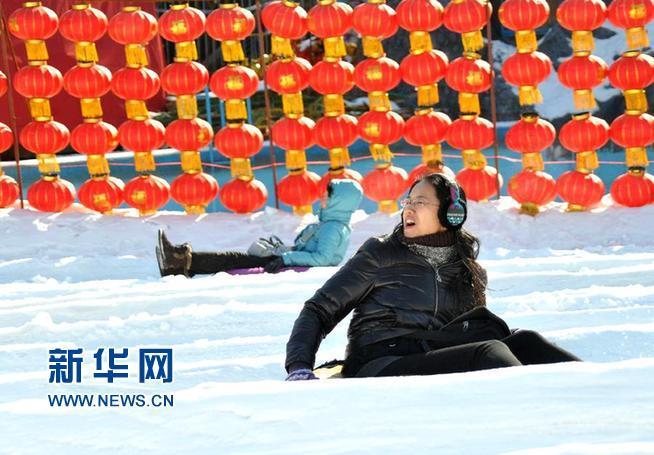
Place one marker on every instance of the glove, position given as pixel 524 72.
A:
pixel 303 374
pixel 274 266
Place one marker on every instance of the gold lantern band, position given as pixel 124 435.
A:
pixel 40 109
pixel 296 159
pixel 528 94
pixel 86 52
pixel 91 107
pixel 186 51
pixel 533 161
pixel 194 209
pixel 191 162
pixel 636 100
pixel 301 210
pixel 637 38
pixel 381 152
pixel 583 99
pixel 36 50
pixel 187 107
pixel 372 47
pixel 47 164
pixel 525 41
pixel 97 165
pixel 334 105
pixel 232 51
pixel 427 95
pixel 334 47
pixel 432 154
pixel 379 101
pixel 473 159
pixel 636 157
pixel 136 56
pixel 587 161
pixel 388 206
pixel 472 41
pixel 144 162
pixel 281 47
pixel 582 41
pixel 292 105
pixel 420 42
pixel 339 157
pixel 529 208
pixel 469 103
pixel 241 169
pixel 136 110
pixel 235 110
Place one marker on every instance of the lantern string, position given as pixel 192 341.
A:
pixel 491 60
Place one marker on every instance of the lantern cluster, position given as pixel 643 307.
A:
pixel 38 82
pixel 527 67
pixel 238 140
pixel 8 187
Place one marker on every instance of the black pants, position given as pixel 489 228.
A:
pixel 207 263
pixel 524 347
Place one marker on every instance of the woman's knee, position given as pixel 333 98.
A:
pixel 494 354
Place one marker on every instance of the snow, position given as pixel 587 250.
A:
pixel 78 279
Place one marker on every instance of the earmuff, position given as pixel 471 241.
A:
pixel 453 214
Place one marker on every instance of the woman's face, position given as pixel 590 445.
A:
pixel 421 216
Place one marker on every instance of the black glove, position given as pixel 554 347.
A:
pixel 274 266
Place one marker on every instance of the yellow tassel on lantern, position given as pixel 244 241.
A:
pixel 91 107
pixel 472 41
pixel 136 110
pixel 473 159
pixel 432 154
pixel 420 42
pixel 582 41
pixel 186 51
pixel 636 100
pixel 381 152
pixel 281 47
pixel 587 162
pixel 144 162
pixel 334 105
pixel 36 50
pixel 525 41
pixel 388 206
pixel 301 210
pixel 637 38
pixel 334 47
pixel 187 106
pixel 97 165
pixel 339 157
pixel 372 47
pixel 292 105
pixel 296 159
pixel 636 157
pixel 379 101
pixel 136 56
pixel 583 99
pixel 194 209
pixel 528 95
pixel 469 103
pixel 86 52
pixel 427 95
pixel 191 162
pixel 241 169
pixel 232 51
pixel 533 161
pixel 40 109
pixel 235 110
pixel 47 164
pixel 529 208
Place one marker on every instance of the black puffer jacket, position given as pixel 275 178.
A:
pixel 393 292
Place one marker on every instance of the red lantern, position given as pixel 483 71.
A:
pixel 141 136
pixel 532 189
pixel 329 77
pixel 630 130
pixel 96 138
pixel 479 184
pixel 230 24
pixel 101 194
pixel 631 73
pixel 342 174
pixel 527 71
pixel 580 190
pixel 243 196
pixel 239 140
pixel 189 134
pixel 427 128
pixel 530 134
pixel 42 81
pixel 584 133
pixel 33 23
pixel 6 137
pixel 330 20
pixel 87 81
pixel 632 15
pixel 470 133
pixel 336 132
pixel 3 84
pixel 424 169
pixel 650 180
pixel 581 17
pixel 86 25
pixel 8 191
pixel 288 76
pixel 381 127
pixel 293 134
pixel 234 82
pixel 519 15
pixel 194 191
pixel 425 68
pixel 467 17
pixel 51 194
pixel 377 74
pixel 182 23
pixel 184 78
pixel 632 190
pixel 44 137
pixel 135 83
pixel 284 20
pixel 384 186
pixel 469 76
pixel 581 73
pixel 377 20
pixel 132 26
pixel 419 15
pixel 298 190
pixel 147 193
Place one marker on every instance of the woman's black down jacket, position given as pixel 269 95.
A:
pixel 392 290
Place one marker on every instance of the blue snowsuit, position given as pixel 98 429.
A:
pixel 325 243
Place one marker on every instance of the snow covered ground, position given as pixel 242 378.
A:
pixel 80 280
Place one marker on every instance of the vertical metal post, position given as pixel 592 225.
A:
pixel 490 58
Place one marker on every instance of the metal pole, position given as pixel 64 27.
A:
pixel 266 98
pixel 5 43
pixel 490 58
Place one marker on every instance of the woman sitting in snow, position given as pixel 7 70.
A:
pixel 418 296
pixel 319 244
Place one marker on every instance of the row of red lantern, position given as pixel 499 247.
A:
pixel 8 187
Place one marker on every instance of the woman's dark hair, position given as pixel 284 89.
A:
pixel 465 243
